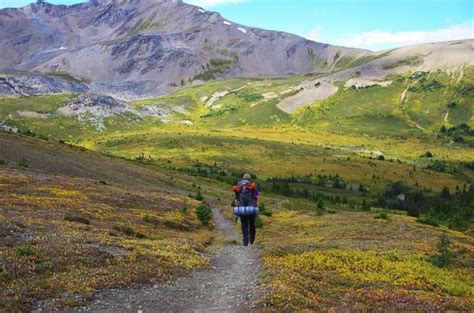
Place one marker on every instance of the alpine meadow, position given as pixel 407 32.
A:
pixel 124 125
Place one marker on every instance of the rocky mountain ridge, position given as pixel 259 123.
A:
pixel 138 48
pixel 29 84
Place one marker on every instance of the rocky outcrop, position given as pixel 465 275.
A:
pixel 15 85
pixel 95 105
pixel 93 109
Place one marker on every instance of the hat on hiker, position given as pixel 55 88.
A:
pixel 247 176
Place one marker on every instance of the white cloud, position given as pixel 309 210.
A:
pixel 376 40
pixel 212 3
pixel 315 35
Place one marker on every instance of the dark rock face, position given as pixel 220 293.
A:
pixel 105 103
pixel 14 85
pixel 155 43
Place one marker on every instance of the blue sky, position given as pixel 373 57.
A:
pixel 370 24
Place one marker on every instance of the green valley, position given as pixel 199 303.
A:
pixel 121 141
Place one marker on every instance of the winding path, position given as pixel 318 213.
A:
pixel 229 285
pixel 407 117
pixel 446 116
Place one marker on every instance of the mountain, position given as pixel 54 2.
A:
pixel 141 48
pixel 450 57
pixel 365 158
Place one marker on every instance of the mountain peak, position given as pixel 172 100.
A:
pixel 102 2
pixel 149 47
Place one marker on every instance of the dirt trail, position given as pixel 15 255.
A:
pixel 446 116
pixel 228 286
pixel 407 117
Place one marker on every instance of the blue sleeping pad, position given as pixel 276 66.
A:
pixel 245 210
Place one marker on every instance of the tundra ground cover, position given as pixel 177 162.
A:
pixel 351 261
pixel 97 216
pixel 65 235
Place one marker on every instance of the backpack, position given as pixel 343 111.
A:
pixel 245 197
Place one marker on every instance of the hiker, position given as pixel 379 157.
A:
pixel 246 198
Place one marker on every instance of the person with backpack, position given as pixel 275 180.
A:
pixel 246 199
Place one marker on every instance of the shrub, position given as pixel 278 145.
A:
pixel 428 220
pixel 25 250
pixel 203 212
pixel 452 105
pixel 76 219
pixel 258 222
pixel 383 214
pixel 438 166
pixel 129 231
pixel 459 139
pixel 264 210
pixel 140 158
pixel 445 256
pixel 320 208
pixel 445 194
pixel 199 196
pixel 23 163
pixel 413 211
pixel 365 206
pixel 250 96
pixel 146 218
pixel 3 162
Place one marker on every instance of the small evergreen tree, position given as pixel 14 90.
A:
pixel 203 212
pixel 445 256
pixel 445 194
pixel 320 208
pixel 413 211
pixel 23 163
pixel 199 196
pixel 365 206
pixel 264 210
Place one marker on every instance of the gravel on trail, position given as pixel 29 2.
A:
pixel 228 285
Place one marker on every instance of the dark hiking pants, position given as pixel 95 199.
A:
pixel 248 229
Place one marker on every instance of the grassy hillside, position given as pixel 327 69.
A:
pixel 74 222
pixel 413 104
pixel 394 163
pixel 354 261
pixel 415 130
